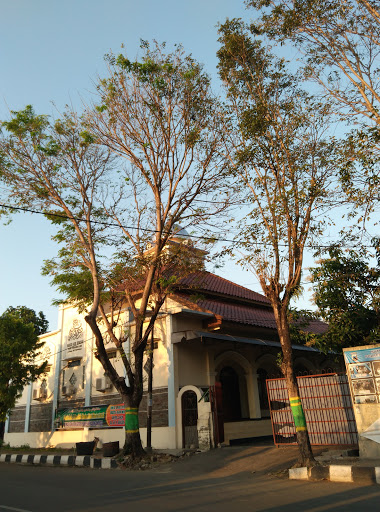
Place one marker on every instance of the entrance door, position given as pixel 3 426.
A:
pixel 231 394
pixel 189 419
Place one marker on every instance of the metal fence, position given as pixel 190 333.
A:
pixel 327 405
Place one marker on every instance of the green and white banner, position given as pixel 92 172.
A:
pixel 99 416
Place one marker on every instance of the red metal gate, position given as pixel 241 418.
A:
pixel 327 404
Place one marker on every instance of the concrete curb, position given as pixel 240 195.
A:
pixel 337 473
pixel 61 460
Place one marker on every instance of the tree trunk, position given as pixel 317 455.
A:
pixel 306 457
pixel 132 443
pixel 131 395
pixel 2 431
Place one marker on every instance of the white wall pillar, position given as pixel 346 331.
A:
pixel 172 369
pixel 253 395
pixel 57 372
pixel 210 369
pixel 127 344
pixel 88 370
pixel 28 404
pixel 244 400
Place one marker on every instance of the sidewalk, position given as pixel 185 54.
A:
pixel 334 465
pixel 339 466
pixel 228 460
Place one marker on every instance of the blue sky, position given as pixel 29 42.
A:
pixel 53 51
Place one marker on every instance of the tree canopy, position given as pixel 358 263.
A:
pixel 29 316
pixel 339 45
pixel 19 347
pixel 340 41
pixel 284 164
pixel 118 182
pixel 347 294
pixel 283 157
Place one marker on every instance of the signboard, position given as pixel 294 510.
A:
pixel 362 355
pixel 75 340
pixel 99 416
pixel 363 369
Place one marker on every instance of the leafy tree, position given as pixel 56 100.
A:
pixel 19 346
pixel 284 168
pixel 347 293
pixel 300 321
pixel 340 44
pixel 122 179
pixel 29 316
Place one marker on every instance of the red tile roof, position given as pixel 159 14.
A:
pixel 246 314
pixel 316 326
pixel 242 314
pixel 257 313
pixel 205 281
pixel 231 312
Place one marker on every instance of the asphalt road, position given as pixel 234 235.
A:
pixel 209 482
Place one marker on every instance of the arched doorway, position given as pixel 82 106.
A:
pixel 267 370
pixel 189 402
pixel 303 367
pixel 229 379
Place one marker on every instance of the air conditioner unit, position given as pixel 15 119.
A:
pixel 68 390
pixel 39 394
pixel 103 384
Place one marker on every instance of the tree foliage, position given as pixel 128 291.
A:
pixel 283 158
pixel 347 293
pixel 29 316
pixel 117 182
pixel 284 165
pixel 301 333
pixel 340 44
pixel 19 346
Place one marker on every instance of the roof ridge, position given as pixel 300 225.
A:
pixel 264 298
pixel 235 284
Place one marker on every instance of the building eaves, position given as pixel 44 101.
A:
pixel 203 335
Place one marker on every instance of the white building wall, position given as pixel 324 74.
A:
pixel 193 366
pixel 61 343
pixel 176 365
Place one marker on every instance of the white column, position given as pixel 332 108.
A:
pixel 88 370
pixel 127 345
pixel 210 368
pixel 27 409
pixel 253 395
pixel 6 428
pixel 172 353
pixel 58 359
